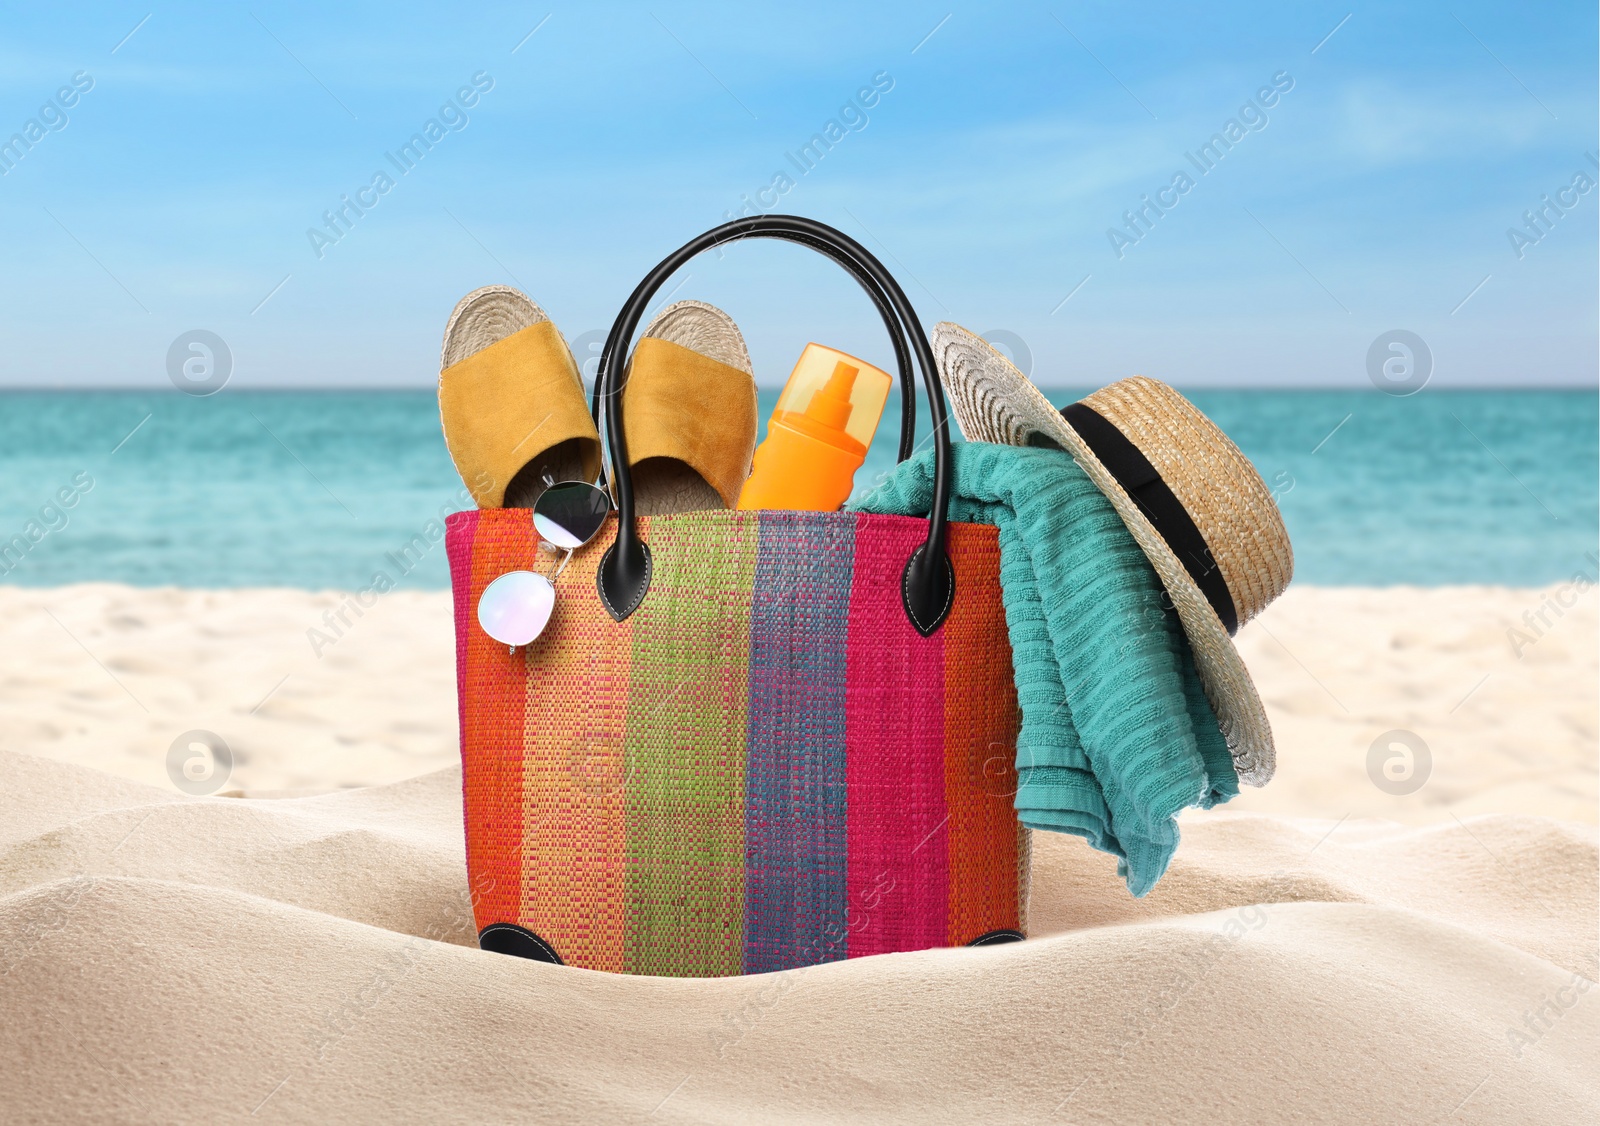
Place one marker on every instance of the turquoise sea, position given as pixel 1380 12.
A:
pixel 315 489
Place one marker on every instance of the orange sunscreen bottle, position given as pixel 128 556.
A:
pixel 819 433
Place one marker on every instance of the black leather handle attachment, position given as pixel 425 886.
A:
pixel 928 582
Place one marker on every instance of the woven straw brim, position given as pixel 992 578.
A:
pixel 994 402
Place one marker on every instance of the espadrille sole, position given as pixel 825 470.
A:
pixel 486 317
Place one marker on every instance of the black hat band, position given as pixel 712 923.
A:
pixel 1160 505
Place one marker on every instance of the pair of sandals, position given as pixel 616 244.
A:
pixel 516 418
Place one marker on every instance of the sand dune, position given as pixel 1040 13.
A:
pixel 306 953
pixel 178 959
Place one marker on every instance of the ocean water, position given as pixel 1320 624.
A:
pixel 320 489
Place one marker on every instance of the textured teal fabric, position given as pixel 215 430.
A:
pixel 1117 736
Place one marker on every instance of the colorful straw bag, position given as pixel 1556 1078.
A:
pixel 747 741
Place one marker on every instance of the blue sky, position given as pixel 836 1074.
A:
pixel 1375 193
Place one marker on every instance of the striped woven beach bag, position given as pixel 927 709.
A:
pixel 747 740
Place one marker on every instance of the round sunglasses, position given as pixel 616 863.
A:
pixel 515 608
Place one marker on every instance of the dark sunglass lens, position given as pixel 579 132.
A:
pixel 569 514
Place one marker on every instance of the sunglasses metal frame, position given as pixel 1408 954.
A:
pixel 545 543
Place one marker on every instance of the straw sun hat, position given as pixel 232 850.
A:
pixel 1193 502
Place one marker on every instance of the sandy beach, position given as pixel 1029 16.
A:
pixel 299 946
pixel 1270 314
pixel 178 959
pixel 107 676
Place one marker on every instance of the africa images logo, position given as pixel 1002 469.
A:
pixel 851 118
pixel 451 118
pixel 1540 221
pixel 51 118
pixel 1250 118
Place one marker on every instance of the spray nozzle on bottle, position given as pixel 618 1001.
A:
pixel 830 406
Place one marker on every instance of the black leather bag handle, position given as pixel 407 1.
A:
pixel 902 354
pixel 928 582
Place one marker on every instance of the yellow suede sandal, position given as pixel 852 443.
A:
pixel 689 405
pixel 511 400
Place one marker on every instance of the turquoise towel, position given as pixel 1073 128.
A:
pixel 1117 736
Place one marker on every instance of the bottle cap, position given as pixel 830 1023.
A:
pixel 835 391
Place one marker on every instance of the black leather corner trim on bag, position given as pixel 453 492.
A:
pixel 520 942
pixel 996 938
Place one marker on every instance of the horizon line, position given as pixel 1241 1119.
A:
pixel 390 388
